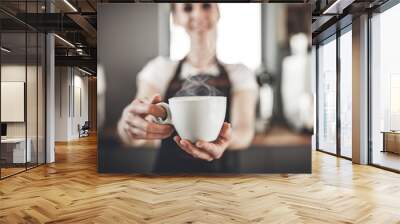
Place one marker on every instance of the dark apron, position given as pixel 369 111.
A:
pixel 171 158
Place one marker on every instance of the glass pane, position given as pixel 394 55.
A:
pixel 13 89
pixel 346 94
pixel 31 88
pixel 314 78
pixel 31 97
pixel 386 89
pixel 327 97
pixel 41 98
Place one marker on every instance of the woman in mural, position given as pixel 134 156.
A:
pixel 162 78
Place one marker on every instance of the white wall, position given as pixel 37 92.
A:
pixel 12 73
pixel 61 103
pixel 34 125
pixel 69 82
pixel 80 83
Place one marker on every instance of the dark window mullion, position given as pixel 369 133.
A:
pixel 26 86
pixel 369 100
pixel 317 97
pixel 0 93
pixel 37 90
pixel 338 95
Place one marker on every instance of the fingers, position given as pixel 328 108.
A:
pixel 137 133
pixel 156 99
pixel 143 108
pixel 215 150
pixel 225 135
pixel 147 106
pixel 208 150
pixel 153 100
pixel 138 127
pixel 156 111
pixel 139 122
pixel 226 131
pixel 191 149
pixel 125 128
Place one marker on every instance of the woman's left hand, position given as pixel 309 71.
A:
pixel 208 150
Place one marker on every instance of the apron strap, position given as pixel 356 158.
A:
pixel 222 71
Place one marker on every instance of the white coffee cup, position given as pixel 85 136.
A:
pixel 195 117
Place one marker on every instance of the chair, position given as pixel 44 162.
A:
pixel 84 130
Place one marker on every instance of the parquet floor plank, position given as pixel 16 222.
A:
pixel 71 191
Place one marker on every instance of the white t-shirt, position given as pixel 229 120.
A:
pixel 160 71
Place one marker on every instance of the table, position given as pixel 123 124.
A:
pixel 391 141
pixel 13 150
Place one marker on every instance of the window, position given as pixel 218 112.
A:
pixel 22 74
pixel 313 80
pixel 394 102
pixel 385 89
pixel 327 96
pixel 346 94
pixel 238 38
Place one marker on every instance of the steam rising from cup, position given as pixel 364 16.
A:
pixel 198 86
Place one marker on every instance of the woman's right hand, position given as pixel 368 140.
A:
pixel 137 121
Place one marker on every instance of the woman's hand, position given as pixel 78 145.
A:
pixel 136 121
pixel 207 150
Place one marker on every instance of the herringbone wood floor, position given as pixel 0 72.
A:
pixel 71 191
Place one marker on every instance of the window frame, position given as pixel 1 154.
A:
pixel 380 9
pixel 26 30
pixel 333 36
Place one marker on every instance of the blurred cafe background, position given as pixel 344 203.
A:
pixel 273 40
